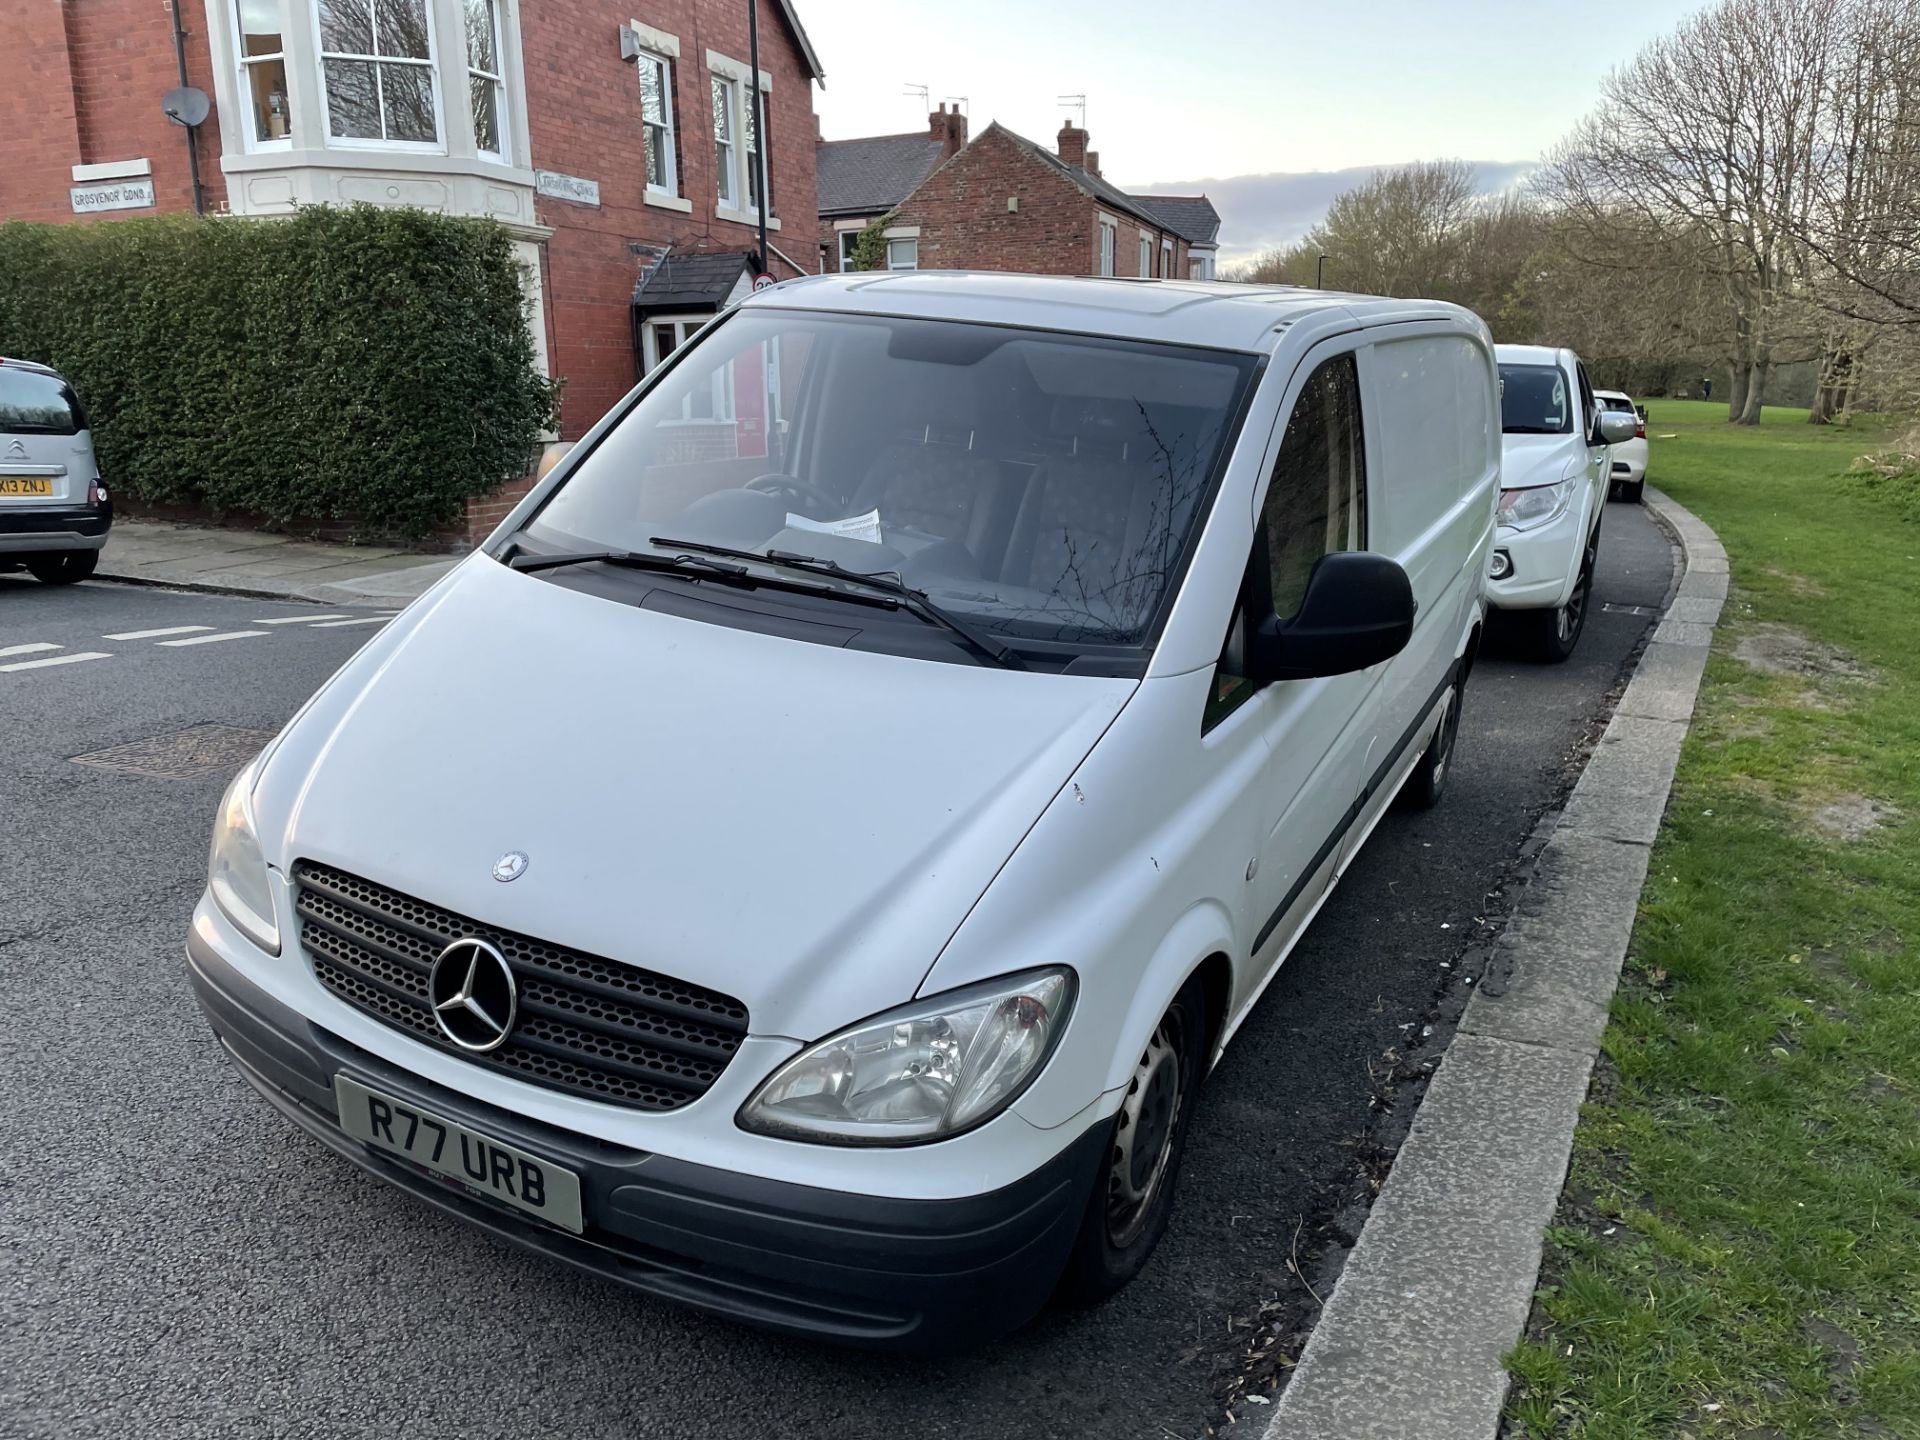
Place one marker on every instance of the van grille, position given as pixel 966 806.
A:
pixel 586 1026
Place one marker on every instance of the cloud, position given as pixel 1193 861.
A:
pixel 1265 212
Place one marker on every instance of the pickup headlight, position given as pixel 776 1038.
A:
pixel 236 870
pixel 923 1072
pixel 1535 506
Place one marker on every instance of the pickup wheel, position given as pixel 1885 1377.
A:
pixel 1558 631
pixel 1635 493
pixel 65 567
pixel 1132 1197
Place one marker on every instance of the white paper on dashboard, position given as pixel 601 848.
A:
pixel 855 527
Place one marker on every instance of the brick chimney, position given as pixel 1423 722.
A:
pixel 1093 162
pixel 949 127
pixel 1073 145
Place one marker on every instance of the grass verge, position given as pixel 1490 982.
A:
pixel 1738 1247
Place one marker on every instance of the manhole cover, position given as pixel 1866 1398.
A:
pixel 182 754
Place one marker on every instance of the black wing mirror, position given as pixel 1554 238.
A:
pixel 1358 611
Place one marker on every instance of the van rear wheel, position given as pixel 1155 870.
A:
pixel 1132 1197
pixel 64 568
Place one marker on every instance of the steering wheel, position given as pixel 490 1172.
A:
pixel 804 490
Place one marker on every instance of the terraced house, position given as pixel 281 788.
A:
pixel 623 148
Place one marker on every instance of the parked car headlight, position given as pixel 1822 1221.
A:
pixel 237 872
pixel 1537 505
pixel 923 1072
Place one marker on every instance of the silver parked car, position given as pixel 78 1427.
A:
pixel 54 510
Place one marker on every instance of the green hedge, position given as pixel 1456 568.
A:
pixel 363 364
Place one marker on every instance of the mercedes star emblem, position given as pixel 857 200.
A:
pixel 510 866
pixel 474 997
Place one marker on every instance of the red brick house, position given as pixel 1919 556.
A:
pixel 862 179
pixel 1007 203
pixel 608 141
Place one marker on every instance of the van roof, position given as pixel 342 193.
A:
pixel 1218 313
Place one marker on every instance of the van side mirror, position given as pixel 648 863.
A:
pixel 1357 612
pixel 1615 427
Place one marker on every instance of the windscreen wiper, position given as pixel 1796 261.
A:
pixel 909 599
pixel 664 564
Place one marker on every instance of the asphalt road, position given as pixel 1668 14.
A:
pixel 175 1259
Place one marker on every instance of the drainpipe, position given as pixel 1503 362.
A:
pixel 759 124
pixel 193 140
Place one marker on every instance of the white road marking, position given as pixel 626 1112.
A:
pixel 150 634
pixel 34 649
pixel 298 619
pixel 210 639
pixel 372 620
pixel 73 659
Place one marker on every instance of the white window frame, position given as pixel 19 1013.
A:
pixel 848 240
pixel 502 121
pixel 431 65
pixel 1146 255
pixel 723 99
pixel 1166 258
pixel 664 66
pixel 1108 234
pixel 904 254
pixel 733 189
pixel 243 64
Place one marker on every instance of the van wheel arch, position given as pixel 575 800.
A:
pixel 1215 974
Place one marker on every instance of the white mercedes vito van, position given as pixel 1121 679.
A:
pixel 804 865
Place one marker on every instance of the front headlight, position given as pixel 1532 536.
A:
pixel 923 1072
pixel 1535 506
pixel 236 870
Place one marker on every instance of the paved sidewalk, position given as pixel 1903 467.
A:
pixel 1438 1287
pixel 250 562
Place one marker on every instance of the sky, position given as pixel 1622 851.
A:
pixel 1271 108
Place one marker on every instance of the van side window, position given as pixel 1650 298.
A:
pixel 1316 503
pixel 1317 499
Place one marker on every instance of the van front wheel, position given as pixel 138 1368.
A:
pixel 1427 782
pixel 1132 1197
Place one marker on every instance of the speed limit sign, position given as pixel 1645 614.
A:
pixel 763 281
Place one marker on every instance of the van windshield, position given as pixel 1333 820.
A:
pixel 1038 485
pixel 1534 400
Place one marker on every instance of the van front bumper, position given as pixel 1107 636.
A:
pixel 871 1271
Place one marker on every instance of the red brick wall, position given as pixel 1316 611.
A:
pixel 83 85
pixel 584 119
pixel 964 222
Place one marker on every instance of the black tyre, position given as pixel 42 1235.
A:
pixel 1428 780
pixel 1132 1197
pixel 64 568
pixel 1558 631
pixel 1636 493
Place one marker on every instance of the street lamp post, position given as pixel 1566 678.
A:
pixel 1320 273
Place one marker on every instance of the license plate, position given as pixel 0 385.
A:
pixel 31 485
pixel 485 1166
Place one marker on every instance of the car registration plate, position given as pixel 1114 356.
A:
pixel 26 485
pixel 478 1163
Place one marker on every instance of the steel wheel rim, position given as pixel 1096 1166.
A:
pixel 1143 1136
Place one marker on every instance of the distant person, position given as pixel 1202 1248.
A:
pixel 1706 387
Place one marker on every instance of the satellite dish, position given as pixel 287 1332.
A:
pixel 187 105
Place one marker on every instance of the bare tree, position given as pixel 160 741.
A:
pixel 1707 142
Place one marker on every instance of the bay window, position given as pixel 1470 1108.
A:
pixel 486 86
pixel 376 61
pixel 261 52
